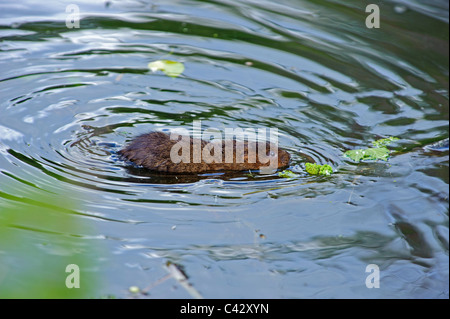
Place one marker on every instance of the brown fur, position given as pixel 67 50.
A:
pixel 152 151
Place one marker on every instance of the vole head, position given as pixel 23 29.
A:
pixel 265 155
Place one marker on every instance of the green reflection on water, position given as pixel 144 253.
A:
pixel 40 235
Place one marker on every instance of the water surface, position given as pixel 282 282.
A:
pixel 71 98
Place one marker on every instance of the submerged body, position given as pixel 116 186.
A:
pixel 158 152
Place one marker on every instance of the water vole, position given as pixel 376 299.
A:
pixel 157 152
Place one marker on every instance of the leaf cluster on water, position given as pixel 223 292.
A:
pixel 378 152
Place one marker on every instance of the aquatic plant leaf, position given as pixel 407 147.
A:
pixel 379 153
pixel 287 174
pixel 384 141
pixel 316 169
pixel 170 68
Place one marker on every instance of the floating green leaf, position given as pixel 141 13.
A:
pixel 384 141
pixel 170 68
pixel 134 289
pixel 316 169
pixel 287 174
pixel 379 152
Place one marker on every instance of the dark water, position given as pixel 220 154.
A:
pixel 70 98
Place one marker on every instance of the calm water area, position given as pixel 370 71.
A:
pixel 312 70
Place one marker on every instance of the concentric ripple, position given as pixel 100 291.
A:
pixel 72 97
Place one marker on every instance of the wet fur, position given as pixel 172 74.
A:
pixel 152 151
